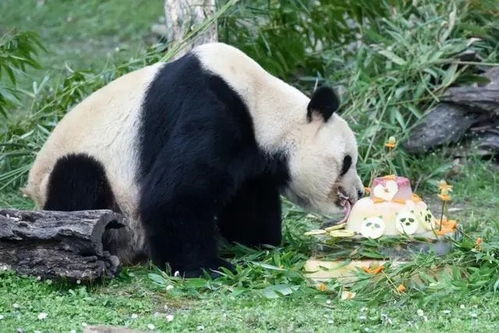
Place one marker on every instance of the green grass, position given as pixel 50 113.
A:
pixel 132 293
pixel 463 302
pixel 384 96
pixel 85 35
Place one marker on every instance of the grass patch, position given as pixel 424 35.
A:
pixel 116 303
pixel 86 35
pixel 269 291
pixel 391 68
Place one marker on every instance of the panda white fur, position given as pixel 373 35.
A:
pixel 206 142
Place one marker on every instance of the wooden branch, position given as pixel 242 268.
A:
pixel 53 244
pixel 182 15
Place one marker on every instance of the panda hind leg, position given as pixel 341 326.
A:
pixel 253 216
pixel 78 182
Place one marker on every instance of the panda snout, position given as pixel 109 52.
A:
pixel 360 190
pixel 357 194
pixel 352 196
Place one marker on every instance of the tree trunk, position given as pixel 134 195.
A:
pixel 182 15
pixel 53 244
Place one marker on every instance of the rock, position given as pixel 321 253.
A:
pixel 460 109
pixel 446 123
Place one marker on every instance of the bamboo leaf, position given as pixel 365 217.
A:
pixel 392 57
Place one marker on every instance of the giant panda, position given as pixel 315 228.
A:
pixel 195 148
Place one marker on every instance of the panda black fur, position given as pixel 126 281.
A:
pixel 206 142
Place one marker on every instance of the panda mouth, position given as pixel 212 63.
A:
pixel 346 203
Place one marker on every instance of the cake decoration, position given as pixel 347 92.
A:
pixel 391 210
pixel 372 227
pixel 390 223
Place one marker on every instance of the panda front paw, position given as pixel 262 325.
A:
pixel 213 268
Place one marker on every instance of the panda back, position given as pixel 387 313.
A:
pixel 105 126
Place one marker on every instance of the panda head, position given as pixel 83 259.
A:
pixel 323 157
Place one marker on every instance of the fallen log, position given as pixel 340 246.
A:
pixel 479 98
pixel 462 111
pixel 58 245
pixel 446 123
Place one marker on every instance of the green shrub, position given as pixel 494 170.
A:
pixel 17 52
pixel 288 37
pixel 398 70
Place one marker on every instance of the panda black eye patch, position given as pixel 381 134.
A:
pixel 347 163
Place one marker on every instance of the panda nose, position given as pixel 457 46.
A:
pixel 360 194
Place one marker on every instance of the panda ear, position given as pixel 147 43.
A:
pixel 323 103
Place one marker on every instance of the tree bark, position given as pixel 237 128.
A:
pixel 182 15
pixel 51 244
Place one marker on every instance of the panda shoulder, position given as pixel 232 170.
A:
pixel 139 77
pixel 218 48
pixel 224 59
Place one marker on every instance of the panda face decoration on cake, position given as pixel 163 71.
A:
pixel 406 222
pixel 372 227
pixel 323 158
pixel 427 220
